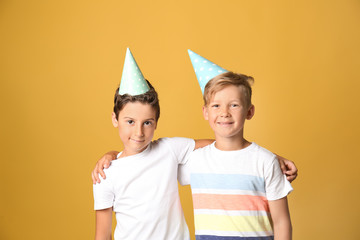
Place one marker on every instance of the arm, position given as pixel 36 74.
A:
pixel 281 219
pixel 103 224
pixel 288 168
pixel 183 150
pixel 199 143
pixel 184 169
pixel 104 162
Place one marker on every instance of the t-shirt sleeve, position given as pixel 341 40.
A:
pixel 183 174
pixel 181 148
pixel 103 194
pixel 276 184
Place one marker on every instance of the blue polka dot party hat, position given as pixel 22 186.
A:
pixel 132 80
pixel 204 69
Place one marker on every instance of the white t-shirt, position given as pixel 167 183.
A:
pixel 231 190
pixel 143 191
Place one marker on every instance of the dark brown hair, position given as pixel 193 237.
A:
pixel 150 97
pixel 226 79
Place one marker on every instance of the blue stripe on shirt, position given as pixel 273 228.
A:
pixel 209 237
pixel 227 181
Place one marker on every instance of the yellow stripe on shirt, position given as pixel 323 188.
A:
pixel 232 223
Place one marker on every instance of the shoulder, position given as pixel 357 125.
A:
pixel 173 142
pixel 108 182
pixel 202 152
pixel 111 171
pixel 262 152
pixel 204 149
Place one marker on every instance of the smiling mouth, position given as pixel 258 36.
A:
pixel 137 141
pixel 225 123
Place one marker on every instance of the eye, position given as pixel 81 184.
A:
pixel 234 105
pixel 215 105
pixel 147 123
pixel 130 122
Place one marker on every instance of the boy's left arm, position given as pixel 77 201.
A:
pixel 288 168
pixel 200 143
pixel 281 219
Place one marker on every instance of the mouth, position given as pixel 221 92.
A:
pixel 225 123
pixel 137 140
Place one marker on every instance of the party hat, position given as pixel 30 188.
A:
pixel 132 80
pixel 204 69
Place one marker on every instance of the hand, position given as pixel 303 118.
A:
pixel 104 162
pixel 288 168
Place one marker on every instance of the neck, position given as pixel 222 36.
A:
pixel 127 152
pixel 231 144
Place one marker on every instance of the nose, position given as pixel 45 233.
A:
pixel 139 131
pixel 224 112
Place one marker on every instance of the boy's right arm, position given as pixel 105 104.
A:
pixel 104 162
pixel 103 224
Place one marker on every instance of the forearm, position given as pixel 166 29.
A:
pixel 281 219
pixel 283 230
pixel 103 224
pixel 200 143
pixel 99 236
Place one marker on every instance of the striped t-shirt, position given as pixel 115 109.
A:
pixel 231 190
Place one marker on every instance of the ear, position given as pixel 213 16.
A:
pixel 250 112
pixel 205 113
pixel 114 120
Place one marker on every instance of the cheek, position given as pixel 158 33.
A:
pixel 124 131
pixel 212 114
pixel 150 130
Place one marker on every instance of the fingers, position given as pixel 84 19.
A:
pixel 107 163
pixel 95 174
pixel 288 168
pixel 292 172
pixel 282 165
pixel 93 178
pixel 101 172
pixel 291 178
pixel 104 162
pixel 291 168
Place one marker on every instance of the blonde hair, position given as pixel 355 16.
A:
pixel 223 80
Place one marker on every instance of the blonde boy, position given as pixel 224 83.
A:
pixel 239 191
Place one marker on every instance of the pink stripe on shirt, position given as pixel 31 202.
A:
pixel 230 202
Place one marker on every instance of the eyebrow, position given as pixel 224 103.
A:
pixel 153 119
pixel 150 119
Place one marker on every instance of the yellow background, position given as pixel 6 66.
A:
pixel 60 62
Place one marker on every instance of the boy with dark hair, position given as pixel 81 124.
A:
pixel 141 186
